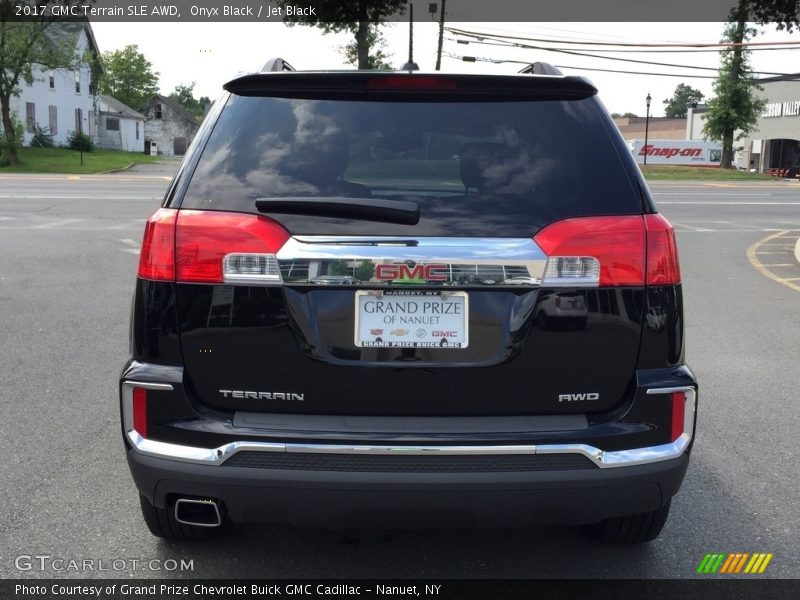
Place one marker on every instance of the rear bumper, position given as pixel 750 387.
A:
pixel 414 472
pixel 335 499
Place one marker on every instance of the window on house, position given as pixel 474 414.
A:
pixel 77 82
pixel 78 120
pixel 137 130
pixel 52 78
pixel 30 116
pixel 158 111
pixel 112 124
pixel 53 120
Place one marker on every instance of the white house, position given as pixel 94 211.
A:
pixel 61 100
pixel 119 127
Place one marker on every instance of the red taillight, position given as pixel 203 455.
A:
pixel 663 267
pixel 204 238
pixel 156 260
pixel 678 415
pixel 617 243
pixel 411 82
pixel 140 411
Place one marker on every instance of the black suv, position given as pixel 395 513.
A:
pixel 408 299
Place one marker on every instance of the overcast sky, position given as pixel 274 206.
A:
pixel 212 53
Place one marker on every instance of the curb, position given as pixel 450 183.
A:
pixel 125 168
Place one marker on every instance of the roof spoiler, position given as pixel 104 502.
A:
pixel 276 64
pixel 541 68
pixel 359 85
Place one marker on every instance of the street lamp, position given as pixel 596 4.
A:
pixel 646 125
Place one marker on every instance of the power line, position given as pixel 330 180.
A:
pixel 626 50
pixel 627 60
pixel 479 35
pixel 527 62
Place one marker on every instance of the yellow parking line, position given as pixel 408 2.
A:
pixel 752 256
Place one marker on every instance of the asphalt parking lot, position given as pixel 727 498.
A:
pixel 68 255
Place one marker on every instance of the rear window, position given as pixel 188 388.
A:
pixel 474 168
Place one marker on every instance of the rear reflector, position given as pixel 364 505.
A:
pixel 158 246
pixel 411 82
pixel 663 267
pixel 140 411
pixel 222 247
pixel 678 415
pixel 591 251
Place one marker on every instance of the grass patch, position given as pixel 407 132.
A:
pixel 664 172
pixel 64 160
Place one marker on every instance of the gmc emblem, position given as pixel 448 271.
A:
pixel 427 272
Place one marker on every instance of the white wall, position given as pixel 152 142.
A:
pixel 63 97
pixel 123 139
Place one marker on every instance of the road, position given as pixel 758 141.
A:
pixel 68 254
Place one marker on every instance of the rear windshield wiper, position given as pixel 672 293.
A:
pixel 366 209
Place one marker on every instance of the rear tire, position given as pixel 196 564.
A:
pixel 631 529
pixel 162 523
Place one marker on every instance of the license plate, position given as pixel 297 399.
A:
pixel 411 319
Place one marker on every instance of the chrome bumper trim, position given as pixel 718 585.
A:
pixel 601 458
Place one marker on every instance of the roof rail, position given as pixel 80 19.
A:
pixel 541 68
pixel 276 64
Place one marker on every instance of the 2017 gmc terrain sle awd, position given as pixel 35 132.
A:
pixel 385 297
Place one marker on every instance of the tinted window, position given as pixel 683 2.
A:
pixel 477 168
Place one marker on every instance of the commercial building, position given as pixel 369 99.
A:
pixel 775 141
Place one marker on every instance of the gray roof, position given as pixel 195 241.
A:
pixel 66 33
pixel 182 112
pixel 118 107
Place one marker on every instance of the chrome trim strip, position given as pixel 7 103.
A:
pixel 203 456
pixel 521 256
pixel 410 450
pixel 510 251
pixel 152 373
pixel 601 458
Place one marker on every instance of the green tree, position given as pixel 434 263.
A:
pixel 684 95
pixel 627 114
pixel 377 58
pixel 129 76
pixel 23 46
pixel 734 110
pixel 360 17
pixel 736 107
pixel 184 95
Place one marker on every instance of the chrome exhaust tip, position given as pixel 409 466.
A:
pixel 198 513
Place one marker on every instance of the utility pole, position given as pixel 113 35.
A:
pixel 646 125
pixel 411 33
pixel 410 65
pixel 441 37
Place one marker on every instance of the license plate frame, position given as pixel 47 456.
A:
pixel 417 327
